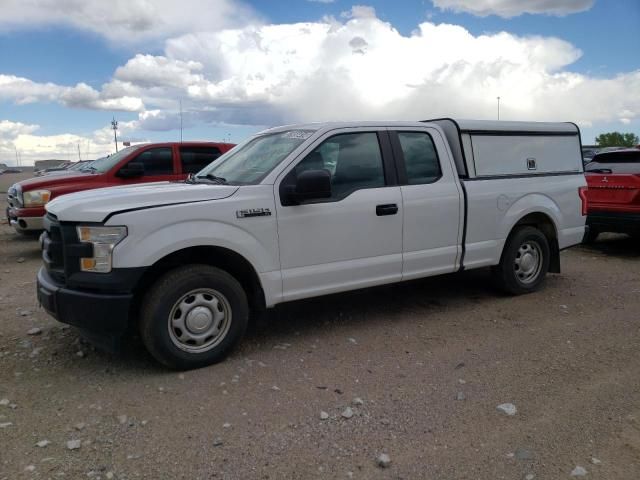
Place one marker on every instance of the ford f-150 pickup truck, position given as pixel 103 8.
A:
pixel 307 210
pixel 143 163
pixel 613 195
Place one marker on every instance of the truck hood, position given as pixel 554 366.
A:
pixel 96 205
pixel 48 181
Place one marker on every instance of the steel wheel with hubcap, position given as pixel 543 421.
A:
pixel 528 262
pixel 193 316
pixel 199 320
pixel 524 262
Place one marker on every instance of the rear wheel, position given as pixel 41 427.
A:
pixel 193 316
pixel 524 263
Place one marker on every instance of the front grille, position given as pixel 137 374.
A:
pixel 53 248
pixel 62 250
pixel 12 198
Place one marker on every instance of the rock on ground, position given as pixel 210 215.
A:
pixel 383 460
pixel 507 408
pixel 74 444
pixel 579 471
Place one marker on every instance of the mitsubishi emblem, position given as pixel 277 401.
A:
pixel 605 179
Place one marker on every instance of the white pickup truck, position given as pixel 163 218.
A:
pixel 307 210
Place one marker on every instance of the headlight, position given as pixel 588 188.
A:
pixel 103 239
pixel 36 198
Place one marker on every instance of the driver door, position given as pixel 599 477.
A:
pixel 352 239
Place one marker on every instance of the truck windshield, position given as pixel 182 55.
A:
pixel 105 164
pixel 249 163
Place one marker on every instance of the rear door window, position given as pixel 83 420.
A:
pixel 156 161
pixel 420 157
pixel 194 159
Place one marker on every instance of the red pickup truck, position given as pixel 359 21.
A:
pixel 150 162
pixel 613 194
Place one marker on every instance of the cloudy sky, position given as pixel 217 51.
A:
pixel 68 66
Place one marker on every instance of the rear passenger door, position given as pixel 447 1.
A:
pixel 432 205
pixel 195 158
pixel 353 239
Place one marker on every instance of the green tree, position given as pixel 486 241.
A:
pixel 617 139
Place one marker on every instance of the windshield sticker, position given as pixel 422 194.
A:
pixel 300 134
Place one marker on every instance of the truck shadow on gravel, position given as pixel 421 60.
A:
pixel 373 307
pixel 615 245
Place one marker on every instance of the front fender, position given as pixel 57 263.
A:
pixel 142 248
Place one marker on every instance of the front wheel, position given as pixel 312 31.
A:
pixel 524 262
pixel 193 316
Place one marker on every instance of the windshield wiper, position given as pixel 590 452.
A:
pixel 211 177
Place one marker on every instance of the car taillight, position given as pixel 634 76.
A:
pixel 582 191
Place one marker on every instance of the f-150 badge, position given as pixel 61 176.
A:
pixel 253 212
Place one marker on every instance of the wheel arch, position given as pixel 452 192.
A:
pixel 545 223
pixel 226 259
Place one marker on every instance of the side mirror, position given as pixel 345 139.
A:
pixel 132 170
pixel 312 185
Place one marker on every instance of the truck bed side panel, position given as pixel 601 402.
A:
pixel 497 204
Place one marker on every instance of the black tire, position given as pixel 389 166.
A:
pixel 508 275
pixel 590 236
pixel 166 298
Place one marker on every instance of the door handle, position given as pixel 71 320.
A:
pixel 386 209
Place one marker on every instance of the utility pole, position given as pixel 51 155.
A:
pixel 498 107
pixel 17 157
pixel 114 126
pixel 79 158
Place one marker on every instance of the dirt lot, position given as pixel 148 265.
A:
pixel 430 361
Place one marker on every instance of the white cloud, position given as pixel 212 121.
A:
pixel 9 129
pixel 356 67
pixel 127 21
pixel 514 8
pixel 364 68
pixel 23 91
pixel 18 136
pixel 359 11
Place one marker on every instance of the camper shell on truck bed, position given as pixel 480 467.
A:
pixel 484 149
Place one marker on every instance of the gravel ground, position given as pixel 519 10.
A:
pixel 422 366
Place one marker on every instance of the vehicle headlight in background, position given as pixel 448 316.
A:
pixel 103 239
pixel 35 198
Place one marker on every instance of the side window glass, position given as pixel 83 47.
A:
pixel 353 159
pixel 420 157
pixel 156 161
pixel 195 159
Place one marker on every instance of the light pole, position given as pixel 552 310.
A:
pixel 114 126
pixel 498 107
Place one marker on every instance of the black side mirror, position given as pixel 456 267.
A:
pixel 132 170
pixel 312 185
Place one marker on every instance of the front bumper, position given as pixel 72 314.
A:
pixel 26 220
pixel 616 222
pixel 101 315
